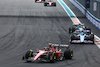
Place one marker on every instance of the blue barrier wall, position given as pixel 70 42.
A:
pixel 91 9
pixel 89 16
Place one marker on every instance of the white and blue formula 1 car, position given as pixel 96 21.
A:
pixel 82 37
pixel 78 27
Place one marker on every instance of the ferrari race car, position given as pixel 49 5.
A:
pixel 82 37
pixel 78 27
pixel 50 3
pixel 39 1
pixel 50 54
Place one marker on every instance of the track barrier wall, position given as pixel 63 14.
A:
pixel 95 21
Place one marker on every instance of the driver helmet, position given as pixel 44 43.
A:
pixel 82 33
pixel 79 25
pixel 50 44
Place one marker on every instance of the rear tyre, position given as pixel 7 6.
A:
pixel 68 54
pixel 72 38
pixel 71 30
pixel 92 38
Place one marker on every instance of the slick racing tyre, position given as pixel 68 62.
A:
pixel 28 54
pixel 92 38
pixel 54 4
pixel 51 56
pixel 72 37
pixel 68 54
pixel 71 30
pixel 45 4
pixel 35 0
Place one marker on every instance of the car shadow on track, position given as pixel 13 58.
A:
pixel 43 62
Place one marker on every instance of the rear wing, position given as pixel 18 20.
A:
pixel 60 45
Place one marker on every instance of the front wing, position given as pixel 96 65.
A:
pixel 78 41
pixel 31 59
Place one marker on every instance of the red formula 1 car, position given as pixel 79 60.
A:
pixel 50 54
pixel 50 3
pixel 39 1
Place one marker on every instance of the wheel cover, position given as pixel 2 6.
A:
pixel 71 51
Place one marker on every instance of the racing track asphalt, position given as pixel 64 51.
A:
pixel 27 25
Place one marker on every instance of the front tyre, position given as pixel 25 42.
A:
pixel 35 0
pixel 51 56
pixel 45 4
pixel 28 55
pixel 68 54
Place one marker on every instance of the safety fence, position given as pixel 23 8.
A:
pixel 95 21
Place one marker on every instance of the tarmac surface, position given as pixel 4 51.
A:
pixel 28 25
